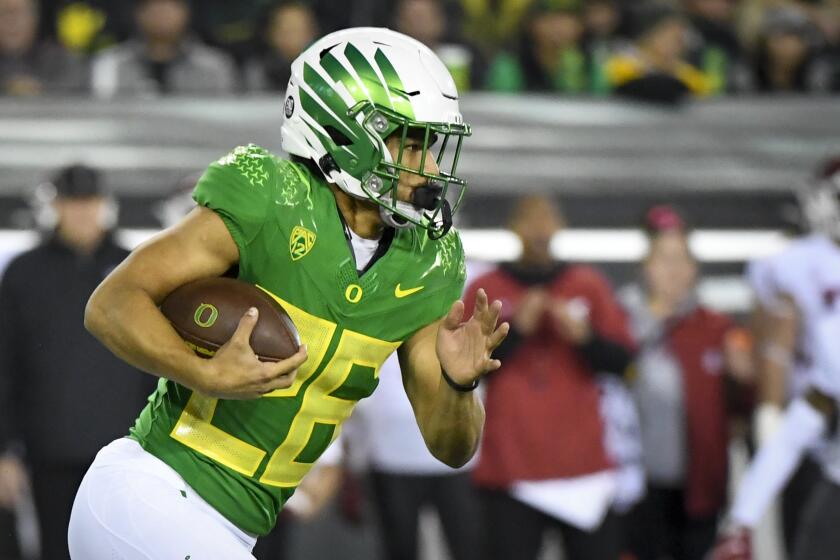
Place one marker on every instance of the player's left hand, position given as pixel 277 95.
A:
pixel 464 348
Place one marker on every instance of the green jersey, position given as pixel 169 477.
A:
pixel 246 457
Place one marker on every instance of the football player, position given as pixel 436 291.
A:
pixel 321 483
pixel 353 238
pixel 799 294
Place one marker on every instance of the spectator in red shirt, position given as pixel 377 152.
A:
pixel 544 434
pixel 688 354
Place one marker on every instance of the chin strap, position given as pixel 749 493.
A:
pixel 446 222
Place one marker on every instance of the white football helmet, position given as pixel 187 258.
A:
pixel 354 88
pixel 820 199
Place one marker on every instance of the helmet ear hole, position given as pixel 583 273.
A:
pixel 328 165
pixel 338 137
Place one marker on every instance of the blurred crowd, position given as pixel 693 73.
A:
pixel 664 50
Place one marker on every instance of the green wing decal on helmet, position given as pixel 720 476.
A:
pixel 349 146
pixel 339 73
pixel 395 85
pixel 380 92
pixel 389 93
pixel 333 112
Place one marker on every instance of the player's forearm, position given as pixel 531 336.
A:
pixel 452 425
pixel 772 393
pixel 775 462
pixel 775 346
pixel 128 322
pixel 772 381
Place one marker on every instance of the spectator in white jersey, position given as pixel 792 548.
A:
pixel 800 302
pixel 786 306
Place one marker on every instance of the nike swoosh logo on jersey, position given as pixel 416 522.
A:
pixel 400 293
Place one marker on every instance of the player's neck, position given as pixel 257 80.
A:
pixel 361 216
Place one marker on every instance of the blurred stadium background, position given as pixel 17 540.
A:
pixel 731 165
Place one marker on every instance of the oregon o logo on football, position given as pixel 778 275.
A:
pixel 200 313
pixel 353 293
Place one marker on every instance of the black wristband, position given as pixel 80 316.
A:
pixel 458 387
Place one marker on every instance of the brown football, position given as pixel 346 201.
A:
pixel 206 313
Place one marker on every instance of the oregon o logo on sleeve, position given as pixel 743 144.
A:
pixel 206 315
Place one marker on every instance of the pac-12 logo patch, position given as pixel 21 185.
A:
pixel 301 242
pixel 290 106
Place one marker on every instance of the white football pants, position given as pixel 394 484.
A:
pixel 133 506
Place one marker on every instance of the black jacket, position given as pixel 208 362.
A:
pixel 62 394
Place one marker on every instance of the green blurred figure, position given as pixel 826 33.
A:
pixel 550 57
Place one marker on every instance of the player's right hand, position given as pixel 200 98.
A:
pixel 235 372
pixel 734 543
pixel 13 481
